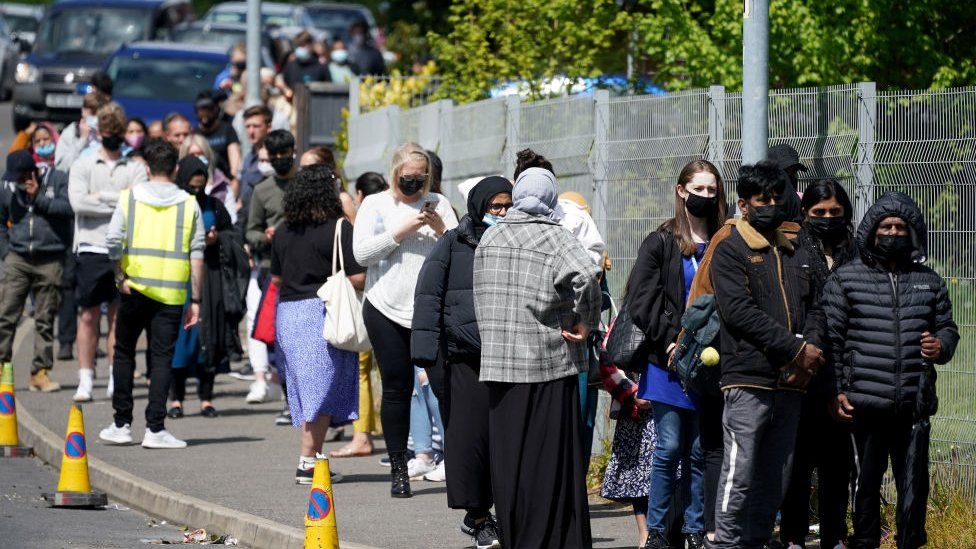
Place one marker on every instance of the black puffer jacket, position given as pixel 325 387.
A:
pixel 655 295
pixel 876 317
pixel 444 321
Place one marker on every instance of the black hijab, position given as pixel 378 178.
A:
pixel 479 197
pixel 187 168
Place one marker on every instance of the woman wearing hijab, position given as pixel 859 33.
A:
pixel 203 348
pixel 536 297
pixel 44 139
pixel 444 318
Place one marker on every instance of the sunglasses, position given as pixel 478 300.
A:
pixel 496 207
pixel 421 178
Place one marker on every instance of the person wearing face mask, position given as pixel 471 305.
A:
pixel 339 69
pixel 221 135
pixel 394 233
pixel 821 442
pixel 771 334
pixel 135 136
pixel 364 57
pixel 305 67
pixel 656 293
pixel 889 322
pixel 77 136
pixel 266 212
pixel 230 77
pixel 44 140
pixel 35 231
pixel 218 184
pixel 444 319
pixel 94 184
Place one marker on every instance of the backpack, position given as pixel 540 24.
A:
pixel 701 326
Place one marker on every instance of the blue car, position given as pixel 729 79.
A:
pixel 153 79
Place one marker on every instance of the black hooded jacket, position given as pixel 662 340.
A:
pixel 444 317
pixel 876 317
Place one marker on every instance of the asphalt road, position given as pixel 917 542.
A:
pixel 26 521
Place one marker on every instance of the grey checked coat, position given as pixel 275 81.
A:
pixel 532 279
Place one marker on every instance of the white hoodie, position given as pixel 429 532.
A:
pixel 578 221
pixel 159 194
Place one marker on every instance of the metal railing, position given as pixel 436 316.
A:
pixel 624 154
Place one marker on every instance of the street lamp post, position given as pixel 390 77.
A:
pixel 755 80
pixel 253 53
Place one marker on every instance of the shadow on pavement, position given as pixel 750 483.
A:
pixel 225 440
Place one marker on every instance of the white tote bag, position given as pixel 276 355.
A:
pixel 344 328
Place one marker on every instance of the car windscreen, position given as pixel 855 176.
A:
pixel 335 20
pixel 87 30
pixel 267 19
pixel 141 77
pixel 21 23
pixel 209 37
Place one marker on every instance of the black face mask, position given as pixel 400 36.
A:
pixel 894 247
pixel 410 186
pixel 282 166
pixel 700 206
pixel 241 66
pixel 766 218
pixel 112 143
pixel 827 228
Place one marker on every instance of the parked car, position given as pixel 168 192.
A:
pixel 273 14
pixel 9 55
pixel 153 79
pixel 74 40
pixel 23 20
pixel 225 35
pixel 336 19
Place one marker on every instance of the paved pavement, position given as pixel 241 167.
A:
pixel 241 460
pixel 27 521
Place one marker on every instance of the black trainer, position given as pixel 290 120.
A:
pixel 64 352
pixel 486 535
pixel 304 476
pixel 284 418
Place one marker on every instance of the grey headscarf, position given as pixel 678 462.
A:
pixel 536 193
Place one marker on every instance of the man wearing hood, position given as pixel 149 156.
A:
pixel 537 296
pixel 444 320
pixel 889 321
pixel 786 157
pixel 156 241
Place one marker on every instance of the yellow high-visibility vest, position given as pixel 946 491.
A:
pixel 156 260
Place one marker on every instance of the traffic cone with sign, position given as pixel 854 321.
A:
pixel 9 441
pixel 74 488
pixel 320 522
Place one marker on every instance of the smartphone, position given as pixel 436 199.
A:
pixel 428 206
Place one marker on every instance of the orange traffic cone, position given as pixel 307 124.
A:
pixel 9 441
pixel 320 521
pixel 74 488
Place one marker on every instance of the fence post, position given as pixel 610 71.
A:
pixel 715 153
pixel 513 117
pixel 393 137
pixel 598 161
pixel 866 123
pixel 354 96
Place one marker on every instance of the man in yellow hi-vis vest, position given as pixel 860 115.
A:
pixel 156 240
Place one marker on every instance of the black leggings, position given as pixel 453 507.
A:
pixel 205 384
pixel 392 351
pixel 710 408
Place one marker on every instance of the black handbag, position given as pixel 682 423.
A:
pixel 626 343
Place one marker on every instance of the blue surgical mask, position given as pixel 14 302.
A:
pixel 45 150
pixel 490 220
pixel 92 122
pixel 203 159
pixel 340 56
pixel 302 53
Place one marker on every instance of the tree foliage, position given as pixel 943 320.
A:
pixel 691 43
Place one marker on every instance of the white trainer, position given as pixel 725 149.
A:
pixel 418 467
pixel 83 394
pixel 439 474
pixel 258 393
pixel 162 440
pixel 116 435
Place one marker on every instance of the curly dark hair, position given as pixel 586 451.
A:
pixel 527 158
pixel 311 198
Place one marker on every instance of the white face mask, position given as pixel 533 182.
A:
pixel 265 168
pixel 340 56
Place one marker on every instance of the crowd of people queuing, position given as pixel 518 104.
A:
pixel 487 330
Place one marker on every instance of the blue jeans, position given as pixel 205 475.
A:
pixel 677 445
pixel 424 415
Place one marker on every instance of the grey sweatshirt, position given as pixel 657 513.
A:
pixel 159 194
pixel 93 189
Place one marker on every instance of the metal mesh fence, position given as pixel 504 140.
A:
pixel 624 155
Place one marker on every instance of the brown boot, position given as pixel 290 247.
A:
pixel 42 382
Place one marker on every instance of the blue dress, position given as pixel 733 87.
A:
pixel 188 352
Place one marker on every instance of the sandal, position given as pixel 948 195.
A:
pixel 347 451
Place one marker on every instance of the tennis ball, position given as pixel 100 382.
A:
pixel 709 356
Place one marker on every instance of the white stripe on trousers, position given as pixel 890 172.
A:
pixel 728 482
pixel 857 466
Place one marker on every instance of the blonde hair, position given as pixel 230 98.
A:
pixel 408 152
pixel 111 118
pixel 199 141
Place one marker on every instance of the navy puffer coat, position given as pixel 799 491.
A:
pixel 876 317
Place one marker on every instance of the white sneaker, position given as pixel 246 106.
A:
pixel 83 394
pixel 418 467
pixel 116 435
pixel 258 393
pixel 439 474
pixel 162 439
